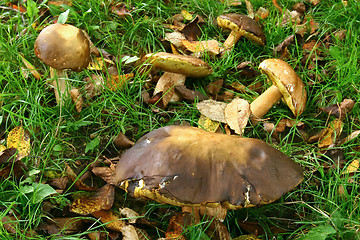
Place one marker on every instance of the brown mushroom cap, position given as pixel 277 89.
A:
pixel 288 82
pixel 186 65
pixel 187 166
pixel 243 25
pixel 63 46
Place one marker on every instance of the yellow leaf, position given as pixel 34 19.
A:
pixel 208 124
pixel 2 148
pixel 19 139
pixel 209 46
pixel 331 133
pixel 117 82
pixel 30 68
pixel 187 16
pixel 99 63
pixel 352 167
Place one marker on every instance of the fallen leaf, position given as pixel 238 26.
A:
pixel 16 169
pixel 350 137
pixel 212 47
pixel 212 109
pixel 111 220
pixel 69 225
pixel 314 2
pixel 339 110
pixel 77 99
pixel 215 87
pixel 99 64
pixel 237 114
pixel 187 16
pixel 208 124
pixel 121 10
pixel 188 94
pixel 78 183
pixel 7 155
pixel 130 215
pixel 178 225
pixel 116 82
pixel 271 129
pixel 352 167
pixel 192 30
pixel 129 233
pixel 261 13
pixel 330 135
pixel 102 199
pixel 250 9
pixel 61 2
pixel 282 47
pixel 106 173
pixel 19 138
pixel 166 84
pixel 30 68
pixel 121 141
pixel 94 86
pixel 59 183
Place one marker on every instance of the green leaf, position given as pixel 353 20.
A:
pixel 63 17
pixel 41 191
pixel 92 145
pixel 57 148
pixel 319 233
pixel 31 8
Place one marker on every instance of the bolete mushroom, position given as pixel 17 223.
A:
pixel 177 68
pixel 187 166
pixel 240 25
pixel 286 84
pixel 62 46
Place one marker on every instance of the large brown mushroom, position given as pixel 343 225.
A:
pixel 62 46
pixel 286 85
pixel 187 166
pixel 240 26
pixel 177 68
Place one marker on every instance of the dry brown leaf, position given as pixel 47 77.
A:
pixel 208 124
pixel 94 86
pixel 78 183
pixel 212 109
pixel 192 30
pixel 121 141
pixel 19 138
pixel 282 47
pixel 129 233
pixel 237 114
pixel 77 99
pixel 68 225
pixel 329 136
pixel 116 82
pixel 31 68
pixel 130 215
pixel 59 183
pixel 176 38
pixel 102 199
pixel 261 13
pixel 111 220
pixel 106 173
pixel 314 2
pixel 7 155
pixel 166 85
pixel 212 47
pixel 177 226
pixel 250 9
pixel 215 87
pixel 60 2
pixel 340 110
pixel 350 137
pixel 271 129
pixel 189 94
pixel 121 10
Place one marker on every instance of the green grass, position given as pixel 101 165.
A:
pixel 60 136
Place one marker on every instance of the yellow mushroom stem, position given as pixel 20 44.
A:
pixel 262 104
pixel 60 84
pixel 231 40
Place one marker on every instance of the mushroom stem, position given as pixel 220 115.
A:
pixel 262 104
pixel 231 40
pixel 60 84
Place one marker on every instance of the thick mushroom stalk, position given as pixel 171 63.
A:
pixel 286 85
pixel 177 68
pixel 240 26
pixel 62 46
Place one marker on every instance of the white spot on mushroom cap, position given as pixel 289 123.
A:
pixel 286 72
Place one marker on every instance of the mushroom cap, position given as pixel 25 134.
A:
pixel 288 82
pixel 243 25
pixel 63 46
pixel 187 166
pixel 182 64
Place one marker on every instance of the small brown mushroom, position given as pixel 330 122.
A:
pixel 177 68
pixel 240 25
pixel 286 84
pixel 187 166
pixel 62 46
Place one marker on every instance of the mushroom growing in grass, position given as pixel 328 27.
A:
pixel 177 68
pixel 240 26
pixel 286 85
pixel 189 167
pixel 62 46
